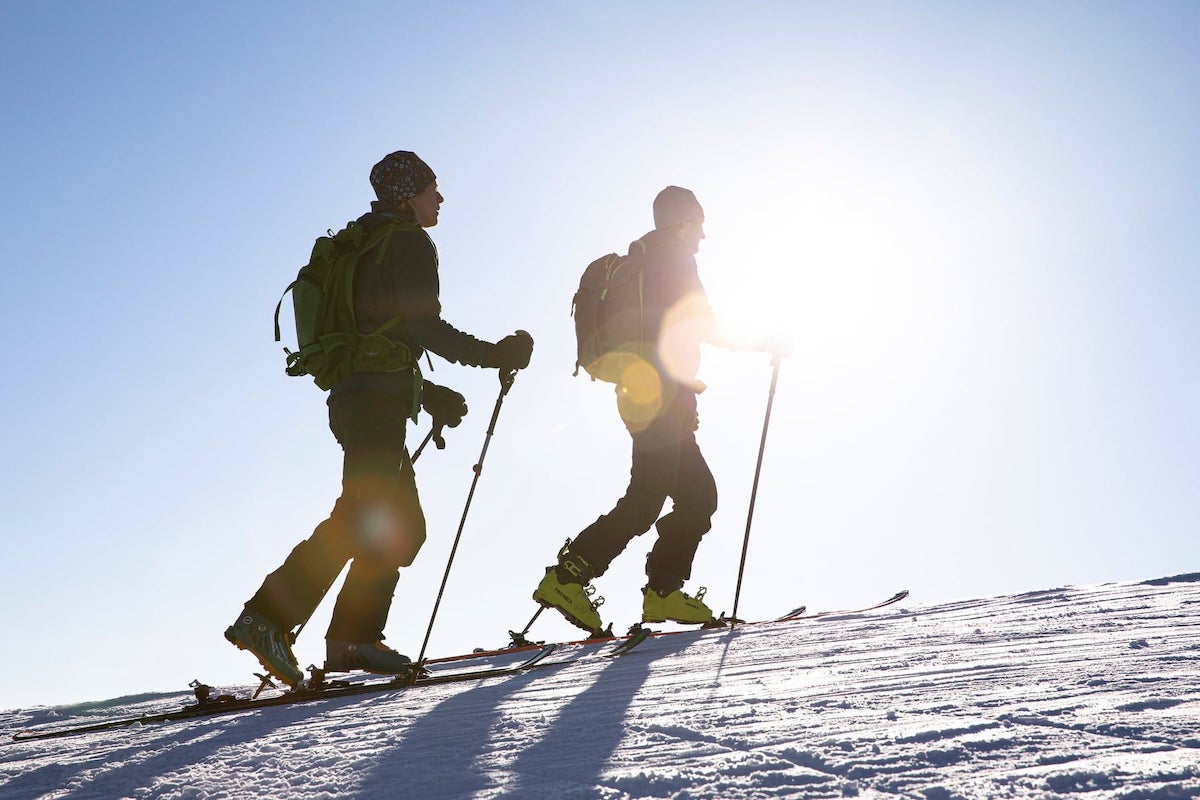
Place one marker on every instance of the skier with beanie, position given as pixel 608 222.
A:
pixel 377 523
pixel 656 399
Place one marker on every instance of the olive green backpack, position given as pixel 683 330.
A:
pixel 329 345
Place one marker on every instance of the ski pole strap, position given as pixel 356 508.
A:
pixel 506 381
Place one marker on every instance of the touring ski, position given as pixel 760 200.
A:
pixel 208 705
pixel 320 687
pixel 896 598
pixel 518 641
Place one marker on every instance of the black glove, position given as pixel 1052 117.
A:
pixel 513 352
pixel 446 406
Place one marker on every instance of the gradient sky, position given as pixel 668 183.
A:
pixel 977 220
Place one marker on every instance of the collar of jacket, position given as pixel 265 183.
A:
pixel 656 240
pixel 383 212
pixel 378 216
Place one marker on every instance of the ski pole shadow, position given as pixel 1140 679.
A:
pixel 729 636
pixel 438 754
pixel 574 750
pixel 450 751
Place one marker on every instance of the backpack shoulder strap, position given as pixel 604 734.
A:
pixel 380 241
pixel 279 305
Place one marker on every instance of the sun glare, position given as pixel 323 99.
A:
pixel 848 255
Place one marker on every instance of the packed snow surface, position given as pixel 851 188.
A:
pixel 1077 692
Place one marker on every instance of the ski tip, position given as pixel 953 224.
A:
pixel 634 638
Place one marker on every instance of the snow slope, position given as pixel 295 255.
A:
pixel 1078 692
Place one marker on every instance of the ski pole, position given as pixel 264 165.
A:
pixel 506 382
pixel 776 360
pixel 435 433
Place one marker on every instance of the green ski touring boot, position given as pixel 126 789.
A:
pixel 374 657
pixel 269 644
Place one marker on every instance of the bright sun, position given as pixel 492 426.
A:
pixel 846 253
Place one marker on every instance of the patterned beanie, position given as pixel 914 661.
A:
pixel 399 176
pixel 675 206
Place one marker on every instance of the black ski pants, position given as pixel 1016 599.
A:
pixel 666 463
pixel 377 524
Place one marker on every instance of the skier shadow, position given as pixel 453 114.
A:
pixel 574 750
pixel 173 746
pixel 446 753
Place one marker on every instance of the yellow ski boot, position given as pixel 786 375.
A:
pixel 677 606
pixel 566 589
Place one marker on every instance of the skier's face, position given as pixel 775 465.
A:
pixel 426 204
pixel 692 233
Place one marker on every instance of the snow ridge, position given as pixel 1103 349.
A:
pixel 1081 692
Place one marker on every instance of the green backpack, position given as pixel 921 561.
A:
pixel 329 344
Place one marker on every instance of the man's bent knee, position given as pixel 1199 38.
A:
pixel 389 535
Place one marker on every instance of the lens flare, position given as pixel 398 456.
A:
pixel 684 326
pixel 639 394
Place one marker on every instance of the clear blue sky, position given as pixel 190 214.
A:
pixel 978 221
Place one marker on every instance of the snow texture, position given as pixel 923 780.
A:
pixel 1075 692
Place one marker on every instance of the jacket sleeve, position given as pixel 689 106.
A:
pixel 406 283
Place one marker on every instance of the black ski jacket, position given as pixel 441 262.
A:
pixel 405 283
pixel 677 312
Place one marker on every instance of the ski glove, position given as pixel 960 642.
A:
pixel 512 352
pixel 446 406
